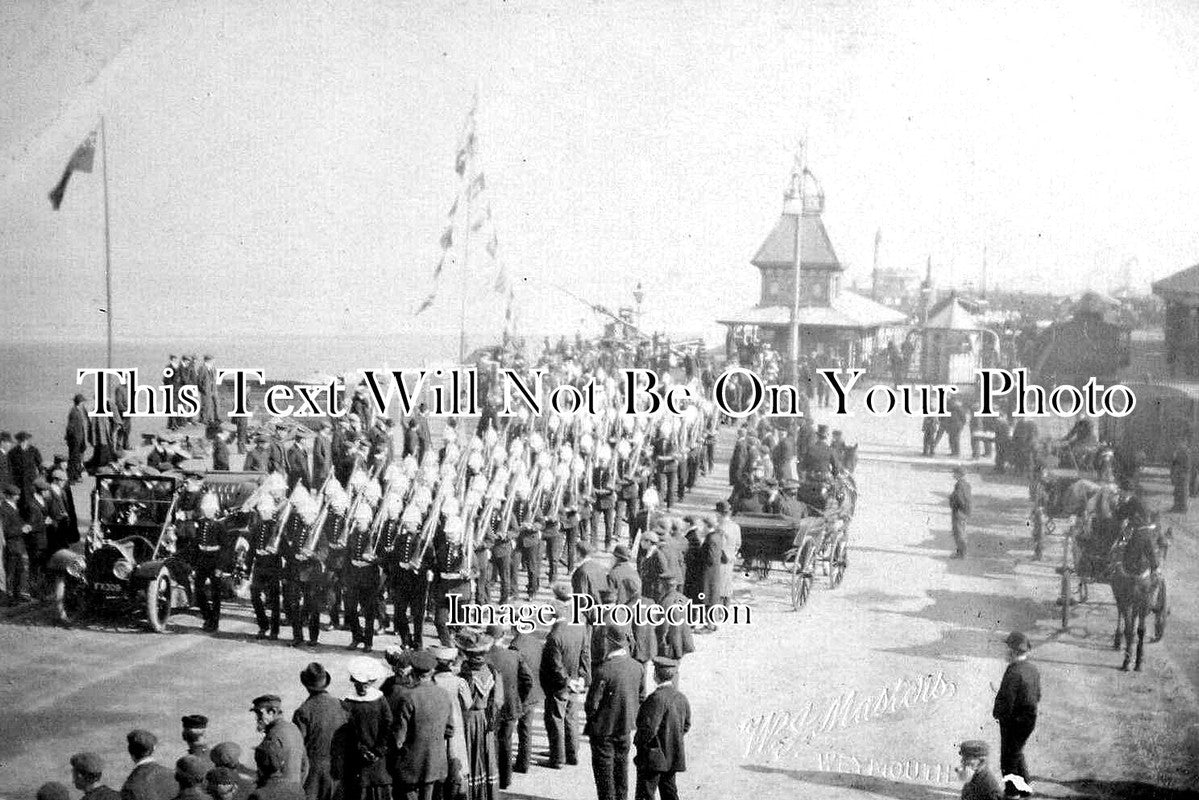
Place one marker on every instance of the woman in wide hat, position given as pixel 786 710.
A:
pixel 362 756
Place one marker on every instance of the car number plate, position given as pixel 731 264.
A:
pixel 108 587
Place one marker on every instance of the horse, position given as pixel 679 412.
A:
pixel 1137 596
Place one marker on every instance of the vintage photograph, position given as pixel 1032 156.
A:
pixel 630 399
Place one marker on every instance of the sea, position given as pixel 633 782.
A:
pixel 38 375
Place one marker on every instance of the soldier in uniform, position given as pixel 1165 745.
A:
pixel 361 581
pixel 266 569
pixel 667 468
pixel 528 538
pixel 603 482
pixel 568 523
pixel 209 561
pixel 303 587
pixel 338 504
pixel 296 464
pixel 409 584
pixel 499 545
pixel 551 533
pixel 450 576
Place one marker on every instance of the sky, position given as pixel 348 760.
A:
pixel 288 167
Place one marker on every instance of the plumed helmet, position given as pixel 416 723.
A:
pixel 522 486
pixel 362 516
pixel 209 504
pixel 544 461
pixel 536 442
pixel 491 437
pixel 275 485
pixel 604 453
pixel 562 471
pixel 412 516
pixel 475 461
pixel 650 498
pixel 624 448
pixel 577 465
pixel 517 447
pixel 586 443
pixel 450 507
pixel 372 492
pixel 339 501
pixel 422 497
pixel 358 479
pixel 554 422
pixel 410 465
pixel 266 507
pixel 392 472
pixel 395 506
pixel 454 526
pixel 429 459
pixel 565 454
pixel 451 454
pixel 498 454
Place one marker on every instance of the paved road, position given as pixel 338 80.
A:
pixel 865 692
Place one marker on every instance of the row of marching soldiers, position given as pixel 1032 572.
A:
pixel 465 520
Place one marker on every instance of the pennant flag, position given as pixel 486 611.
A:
pixel 493 244
pixel 81 161
pixel 453 209
pixel 476 187
pixel 428 302
pixel 483 219
pixel 447 238
pixel 440 266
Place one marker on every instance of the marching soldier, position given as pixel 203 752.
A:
pixel 303 587
pixel 209 561
pixel 409 584
pixel 528 538
pixel 568 523
pixel 450 577
pixel 266 568
pixel 603 482
pixel 361 581
pixel 668 468
pixel 551 532
pixel 499 545
pixel 338 504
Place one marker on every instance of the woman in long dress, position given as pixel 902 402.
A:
pixel 482 714
pixel 364 750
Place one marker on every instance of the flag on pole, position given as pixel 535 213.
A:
pixel 81 161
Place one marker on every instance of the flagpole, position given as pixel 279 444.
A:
pixel 107 237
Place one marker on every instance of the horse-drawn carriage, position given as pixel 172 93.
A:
pixel 1094 552
pixel 800 544
pixel 131 559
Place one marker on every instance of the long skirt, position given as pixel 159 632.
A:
pixel 483 772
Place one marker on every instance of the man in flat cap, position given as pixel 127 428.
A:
pixel 979 782
pixel 86 771
pixel 662 722
pixel 1016 712
pixel 190 773
pixel 423 728
pixel 623 577
pixel 258 459
pixel 25 463
pixel 280 734
pixel 318 718
pixel 959 511
pixel 149 780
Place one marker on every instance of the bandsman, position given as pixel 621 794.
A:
pixel 266 568
pixel 362 582
pixel 209 561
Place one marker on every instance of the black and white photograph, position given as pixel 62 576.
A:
pixel 629 399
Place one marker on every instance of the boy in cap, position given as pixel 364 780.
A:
pixel 53 791
pixel 227 755
pixel 86 771
pixel 959 511
pixel 190 773
pixel 149 780
pixel 980 783
pixel 318 719
pixel 1016 712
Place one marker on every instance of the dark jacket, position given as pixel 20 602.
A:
pixel 506 664
pixel 297 468
pixel 617 687
pixel 276 788
pixel 151 781
pixel 287 738
pixel 424 721
pixel 624 581
pixel 318 719
pixel 101 793
pixel 662 722
pixel 1019 693
pixel 567 655
pixel 529 648
pixel 220 455
pixel 674 641
pixel 322 461
pixel 983 786
pixel 588 578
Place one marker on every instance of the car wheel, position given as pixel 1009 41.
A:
pixel 158 601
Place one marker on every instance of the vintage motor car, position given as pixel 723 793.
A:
pixel 132 560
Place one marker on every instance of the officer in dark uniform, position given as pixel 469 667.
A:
pixel 266 569
pixel 667 468
pixel 258 459
pixel 303 586
pixel 334 536
pixel 525 529
pixel 361 581
pixel 788 503
pixel 409 581
pixel 819 460
pixel 603 482
pixel 209 561
pixel 499 545
pixel 450 575
pixel 551 533
pixel 568 523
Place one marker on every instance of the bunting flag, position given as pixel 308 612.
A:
pixel 471 215
pixel 81 161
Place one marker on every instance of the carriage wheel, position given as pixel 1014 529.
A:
pixel 158 601
pixel 801 586
pixel 838 563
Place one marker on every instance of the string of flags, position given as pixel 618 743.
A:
pixel 470 219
